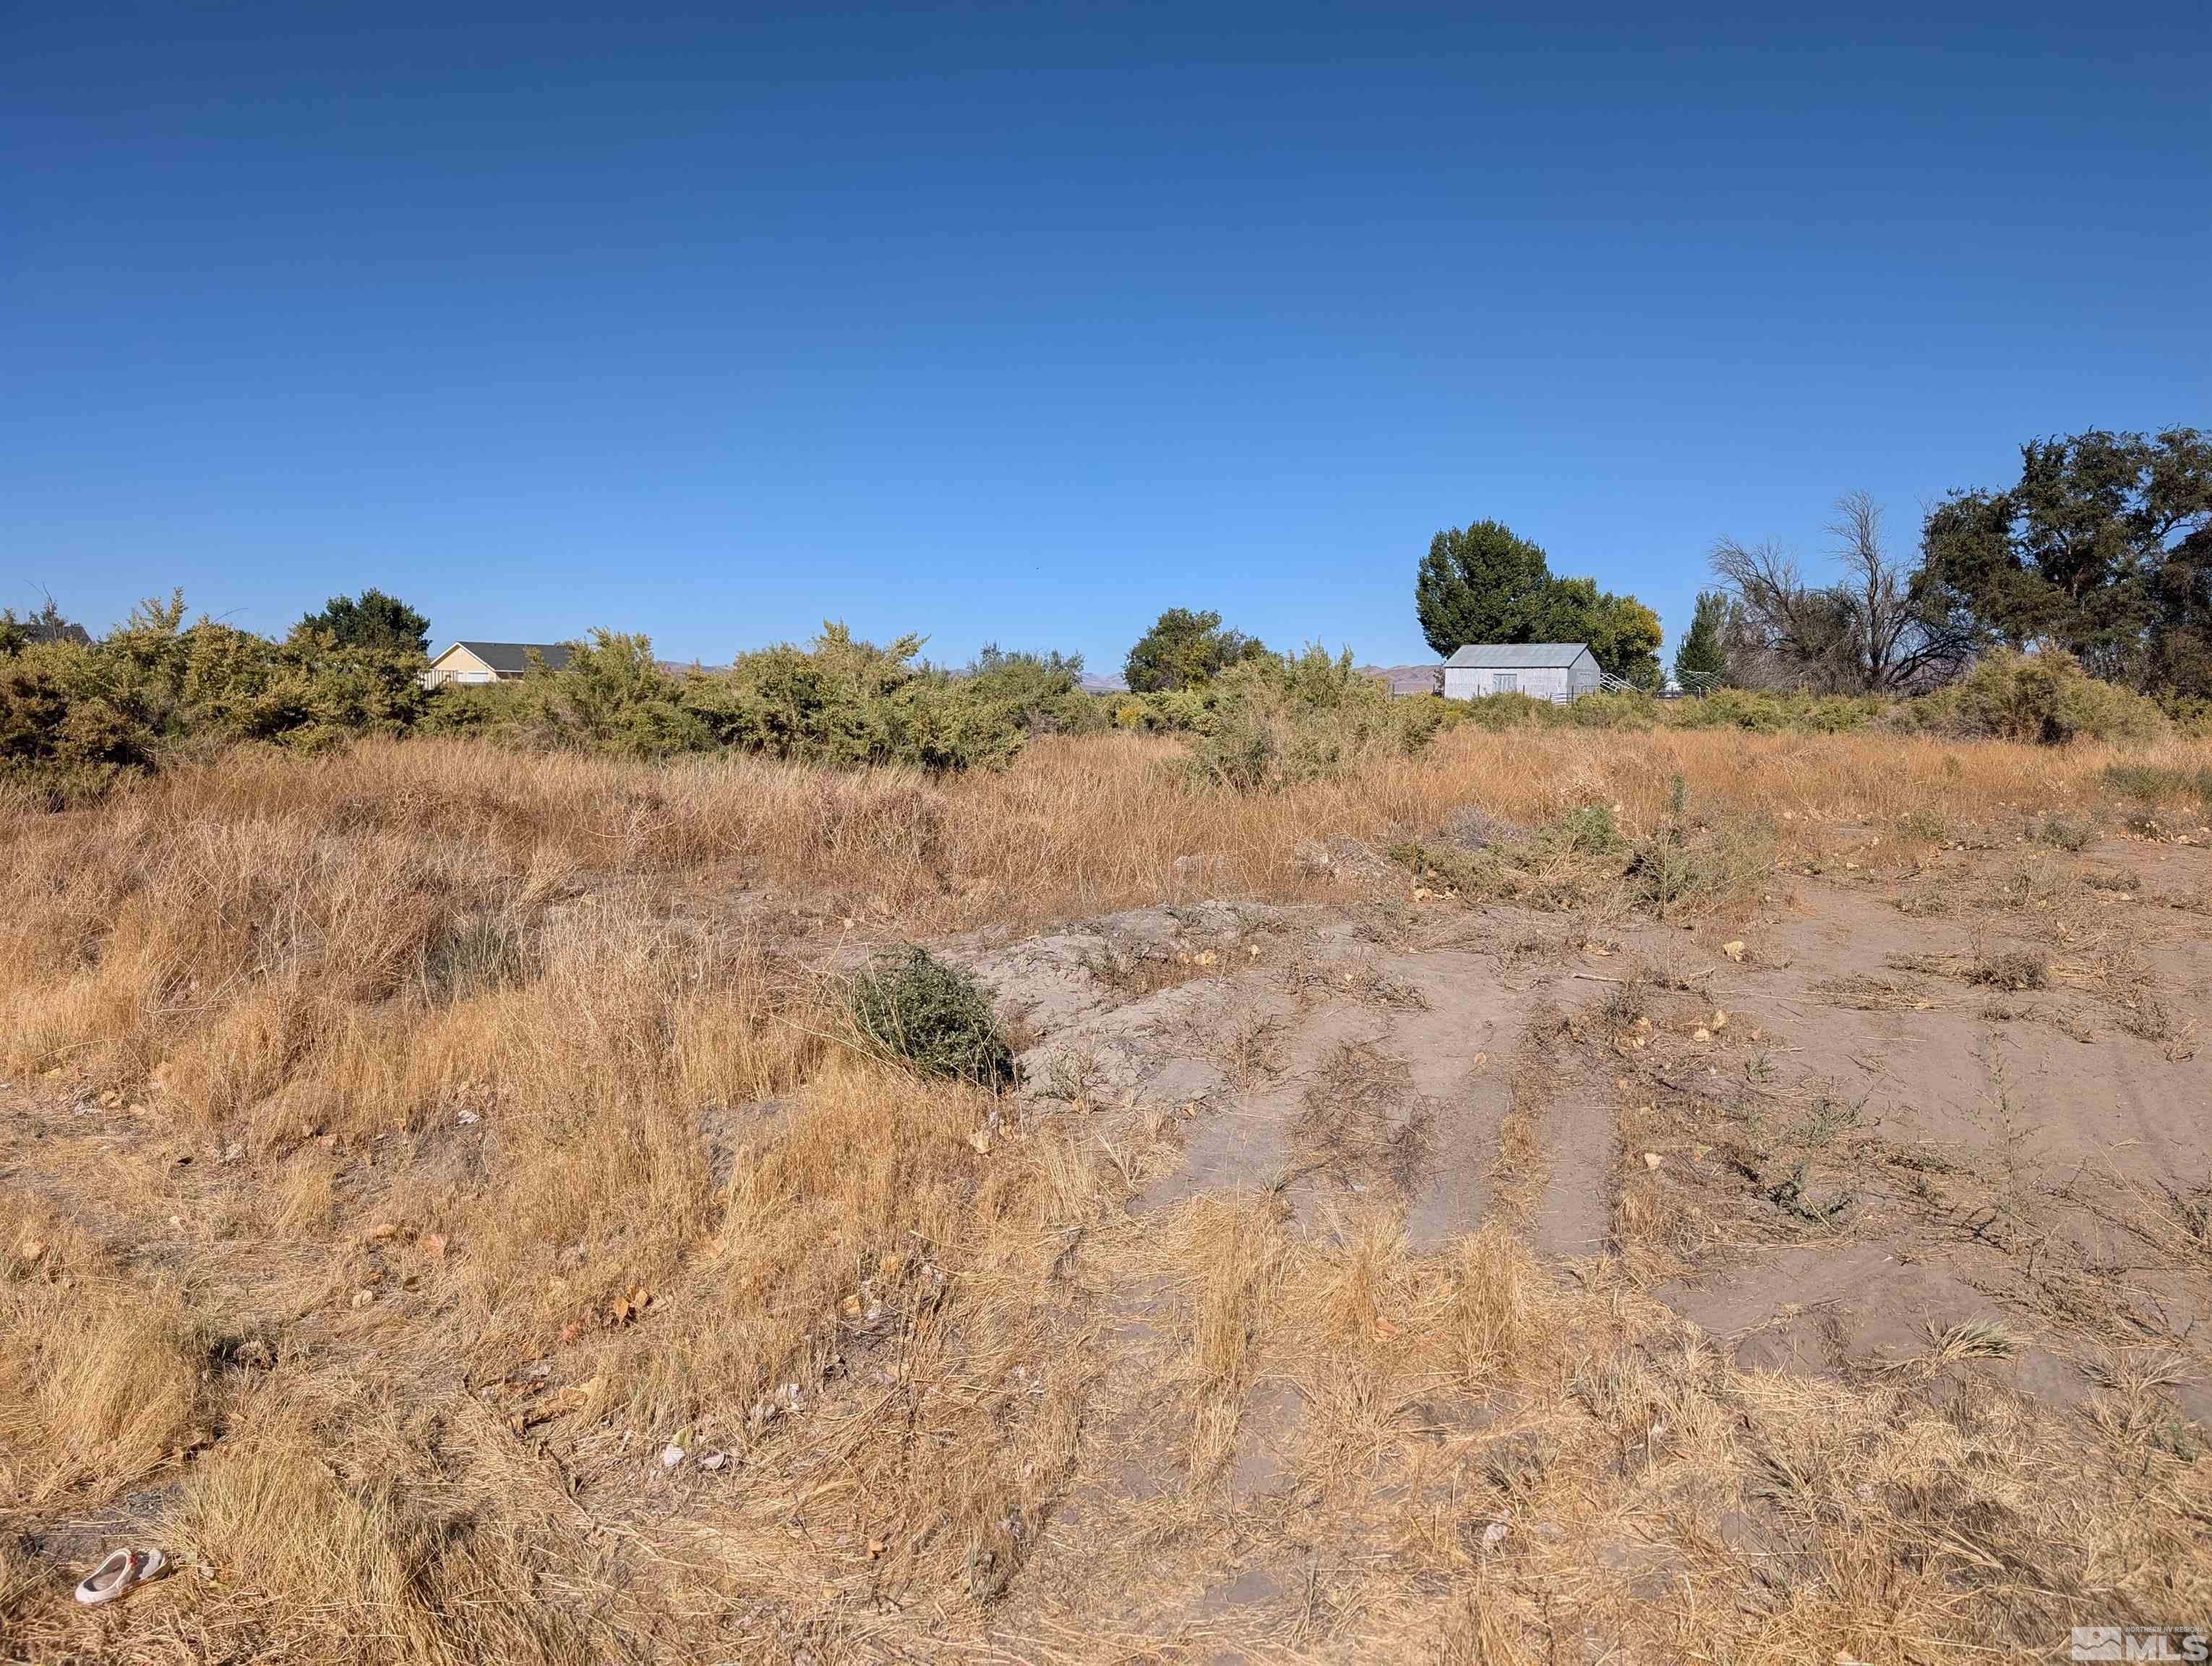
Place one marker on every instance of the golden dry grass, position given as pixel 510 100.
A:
pixel 412 1143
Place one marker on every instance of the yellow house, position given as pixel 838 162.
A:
pixel 490 662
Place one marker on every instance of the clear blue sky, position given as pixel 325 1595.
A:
pixel 1025 322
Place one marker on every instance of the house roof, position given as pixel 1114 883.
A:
pixel 1517 656
pixel 513 657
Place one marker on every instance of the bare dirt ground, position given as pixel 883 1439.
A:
pixel 1379 1276
pixel 1829 1137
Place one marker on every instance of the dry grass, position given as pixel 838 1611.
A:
pixel 413 1144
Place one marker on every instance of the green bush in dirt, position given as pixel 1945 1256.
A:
pixel 2046 699
pixel 1687 862
pixel 2064 832
pixel 935 1016
pixel 1693 859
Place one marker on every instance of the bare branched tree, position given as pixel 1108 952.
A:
pixel 1870 633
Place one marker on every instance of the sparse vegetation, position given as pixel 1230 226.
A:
pixel 450 1132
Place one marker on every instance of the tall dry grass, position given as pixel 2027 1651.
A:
pixel 517 1124
pixel 230 920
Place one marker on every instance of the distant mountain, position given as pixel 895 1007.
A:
pixel 1095 684
pixel 1404 679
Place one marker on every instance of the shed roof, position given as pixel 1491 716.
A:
pixel 1517 656
pixel 513 657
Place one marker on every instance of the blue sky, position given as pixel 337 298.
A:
pixel 1021 323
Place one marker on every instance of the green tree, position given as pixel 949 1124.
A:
pixel 1701 656
pixel 2103 549
pixel 1480 584
pixel 1485 584
pixel 1186 650
pixel 371 620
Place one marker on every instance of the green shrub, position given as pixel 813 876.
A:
pixel 936 1017
pixel 1277 720
pixel 486 711
pixel 1606 709
pixel 2152 783
pixel 1689 861
pixel 2064 832
pixel 74 716
pixel 611 696
pixel 1498 712
pixel 846 702
pixel 2046 699
pixel 1042 692
pixel 1775 712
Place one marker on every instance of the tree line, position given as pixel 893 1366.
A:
pixel 2102 550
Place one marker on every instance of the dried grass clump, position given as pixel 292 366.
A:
pixel 101 1380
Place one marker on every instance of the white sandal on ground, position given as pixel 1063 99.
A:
pixel 121 1571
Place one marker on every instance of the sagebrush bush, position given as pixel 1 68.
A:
pixel 2045 699
pixel 75 715
pixel 2152 783
pixel 1279 719
pixel 934 1016
pixel 1685 860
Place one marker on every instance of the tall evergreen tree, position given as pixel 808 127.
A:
pixel 1701 656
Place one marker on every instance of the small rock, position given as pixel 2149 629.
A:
pixel 1651 1160
pixel 671 1456
pixel 982 1142
pixel 1494 1534
pixel 363 1298
pixel 714 1461
pixel 1701 1034
pixel 467 1119
pixel 1719 1021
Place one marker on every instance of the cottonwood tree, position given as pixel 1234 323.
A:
pixel 1483 583
pixel 1877 629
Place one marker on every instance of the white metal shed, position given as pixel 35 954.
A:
pixel 1544 670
